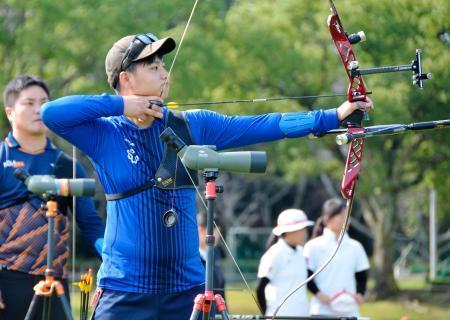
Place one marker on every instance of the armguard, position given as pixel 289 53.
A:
pixel 296 124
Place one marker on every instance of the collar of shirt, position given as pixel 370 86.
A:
pixel 13 143
pixel 286 247
pixel 331 236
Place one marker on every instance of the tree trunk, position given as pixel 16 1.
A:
pixel 383 261
pixel 381 219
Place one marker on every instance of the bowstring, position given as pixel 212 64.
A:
pixel 183 36
pixel 187 171
pixel 188 23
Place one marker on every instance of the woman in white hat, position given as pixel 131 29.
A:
pixel 283 266
pixel 340 287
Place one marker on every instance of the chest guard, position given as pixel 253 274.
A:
pixel 171 172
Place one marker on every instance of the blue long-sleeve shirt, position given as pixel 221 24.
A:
pixel 23 226
pixel 140 254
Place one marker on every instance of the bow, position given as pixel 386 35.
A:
pixel 355 133
pixel 356 92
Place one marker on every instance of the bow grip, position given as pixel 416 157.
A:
pixel 353 120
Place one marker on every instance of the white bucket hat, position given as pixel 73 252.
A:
pixel 291 220
pixel 343 303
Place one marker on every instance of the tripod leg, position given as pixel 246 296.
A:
pixel 198 306
pixel 221 306
pixel 194 315
pixel 59 289
pixel 32 309
pixel 47 310
pixel 66 306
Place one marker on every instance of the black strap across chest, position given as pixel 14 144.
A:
pixel 171 173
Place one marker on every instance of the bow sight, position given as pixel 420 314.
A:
pixel 415 66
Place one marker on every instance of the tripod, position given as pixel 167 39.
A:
pixel 204 301
pixel 45 288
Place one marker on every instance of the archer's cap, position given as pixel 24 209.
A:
pixel 115 56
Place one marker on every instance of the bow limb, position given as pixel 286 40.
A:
pixel 356 92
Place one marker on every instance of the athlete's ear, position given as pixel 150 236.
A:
pixel 8 111
pixel 124 79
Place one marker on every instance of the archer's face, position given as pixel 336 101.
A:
pixel 150 80
pixel 336 222
pixel 24 114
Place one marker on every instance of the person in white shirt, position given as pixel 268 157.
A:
pixel 283 266
pixel 339 289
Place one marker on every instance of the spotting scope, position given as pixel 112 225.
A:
pixel 197 157
pixel 46 184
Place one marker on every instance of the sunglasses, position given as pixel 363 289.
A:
pixel 133 51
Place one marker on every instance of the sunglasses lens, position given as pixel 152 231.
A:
pixel 143 38
pixel 152 37
pixel 147 38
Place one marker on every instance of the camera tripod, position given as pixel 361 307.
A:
pixel 45 288
pixel 204 301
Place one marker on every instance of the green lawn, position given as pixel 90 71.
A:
pixel 241 302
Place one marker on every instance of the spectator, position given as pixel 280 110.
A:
pixel 339 289
pixel 283 266
pixel 23 225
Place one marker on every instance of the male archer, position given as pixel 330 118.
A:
pixel 23 224
pixel 151 270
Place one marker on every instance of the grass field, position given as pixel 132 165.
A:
pixel 241 302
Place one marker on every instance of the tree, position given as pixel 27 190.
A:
pixel 284 48
pixel 259 48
